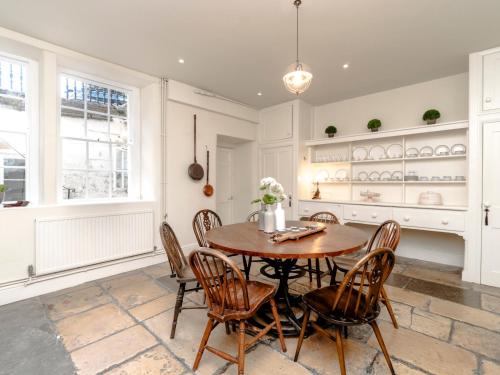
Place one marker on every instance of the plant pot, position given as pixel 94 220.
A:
pixel 374 130
pixel 331 135
pixel 431 122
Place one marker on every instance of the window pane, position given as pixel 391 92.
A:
pixel 72 123
pixel 73 185
pixel 14 162
pixel 99 157
pixel 120 158
pixel 99 184
pixel 74 154
pixel 72 92
pixel 12 146
pixel 119 130
pixel 14 190
pixel 12 79
pixel 97 127
pixel 119 103
pixel 13 173
pixel 97 98
pixel 120 184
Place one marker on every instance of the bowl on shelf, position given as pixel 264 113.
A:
pixel 426 151
pixel 412 152
pixel 397 176
pixel 458 149
pixel 362 176
pixel 442 150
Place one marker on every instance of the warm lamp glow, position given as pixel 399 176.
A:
pixel 298 80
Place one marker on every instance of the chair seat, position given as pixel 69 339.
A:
pixel 187 275
pixel 321 301
pixel 258 294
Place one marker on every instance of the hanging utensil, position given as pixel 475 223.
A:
pixel 208 189
pixel 195 170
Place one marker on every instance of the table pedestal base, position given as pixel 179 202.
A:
pixel 289 306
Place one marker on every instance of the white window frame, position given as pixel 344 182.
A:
pixel 31 176
pixel 133 141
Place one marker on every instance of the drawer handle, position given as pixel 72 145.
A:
pixel 445 221
pixel 406 218
pixel 354 213
pixel 374 215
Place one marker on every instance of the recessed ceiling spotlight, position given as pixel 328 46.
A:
pixel 181 61
pixel 345 66
pixel 259 93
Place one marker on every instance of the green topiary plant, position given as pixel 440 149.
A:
pixel 374 124
pixel 431 115
pixel 2 188
pixel 331 130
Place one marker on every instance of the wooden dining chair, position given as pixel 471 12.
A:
pixel 203 221
pixel 387 235
pixel 232 299
pixel 181 271
pixel 327 218
pixel 247 262
pixel 351 302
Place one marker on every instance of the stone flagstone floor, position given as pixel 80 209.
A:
pixel 121 325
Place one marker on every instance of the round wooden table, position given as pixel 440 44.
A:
pixel 282 257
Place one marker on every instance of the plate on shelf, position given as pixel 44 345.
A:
pixel 426 151
pixel 442 150
pixel 395 151
pixel 458 149
pixel 397 176
pixel 362 176
pixel 377 152
pixel 385 176
pixel 412 152
pixel 322 175
pixel 359 153
pixel 341 175
pixel 374 176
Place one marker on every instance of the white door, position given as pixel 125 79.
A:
pixel 224 185
pixel 490 264
pixel 278 163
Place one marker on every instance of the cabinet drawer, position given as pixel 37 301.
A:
pixel 309 208
pixel 367 214
pixel 431 219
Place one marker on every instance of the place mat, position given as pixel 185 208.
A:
pixel 293 235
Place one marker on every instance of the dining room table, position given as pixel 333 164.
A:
pixel 281 257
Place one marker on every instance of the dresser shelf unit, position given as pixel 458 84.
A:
pixel 393 192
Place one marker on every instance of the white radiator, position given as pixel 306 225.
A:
pixel 72 242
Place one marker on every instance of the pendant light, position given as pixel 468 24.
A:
pixel 298 79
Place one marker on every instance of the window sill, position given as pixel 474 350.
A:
pixel 86 203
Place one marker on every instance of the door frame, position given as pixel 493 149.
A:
pixel 231 184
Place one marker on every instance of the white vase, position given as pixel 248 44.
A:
pixel 262 213
pixel 279 217
pixel 269 219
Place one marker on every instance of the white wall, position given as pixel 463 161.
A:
pixel 185 196
pixel 399 108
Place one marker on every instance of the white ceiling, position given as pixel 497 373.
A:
pixel 237 48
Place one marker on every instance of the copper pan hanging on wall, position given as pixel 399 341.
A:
pixel 195 170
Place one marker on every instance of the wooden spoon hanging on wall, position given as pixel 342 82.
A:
pixel 208 189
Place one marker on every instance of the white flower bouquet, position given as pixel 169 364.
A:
pixel 273 192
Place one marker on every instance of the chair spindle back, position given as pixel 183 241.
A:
pixel 173 249
pixel 223 282
pixel 387 234
pixel 203 221
pixel 253 217
pixel 359 291
pixel 325 217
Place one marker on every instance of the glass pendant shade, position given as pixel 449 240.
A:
pixel 298 79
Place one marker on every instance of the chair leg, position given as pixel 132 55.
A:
pixel 178 307
pixel 380 340
pixel 329 265
pixel 309 269
pixel 276 316
pixel 340 349
pixel 318 274
pixel 241 348
pixel 228 329
pixel 333 275
pixel 302 333
pixel 387 303
pixel 245 267
pixel 203 343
